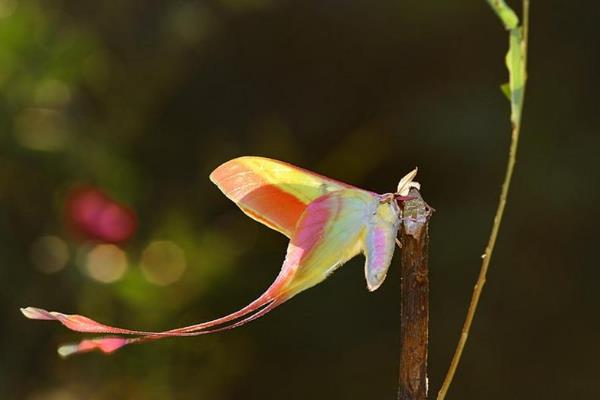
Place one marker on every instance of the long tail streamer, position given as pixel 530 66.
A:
pixel 109 344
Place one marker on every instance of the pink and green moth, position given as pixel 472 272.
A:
pixel 328 222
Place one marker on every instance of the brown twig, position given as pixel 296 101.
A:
pixel 414 237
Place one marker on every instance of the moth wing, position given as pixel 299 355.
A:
pixel 270 191
pixel 330 232
pixel 379 245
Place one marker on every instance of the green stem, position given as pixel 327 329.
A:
pixel 517 83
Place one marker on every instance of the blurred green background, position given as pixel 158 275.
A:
pixel 140 100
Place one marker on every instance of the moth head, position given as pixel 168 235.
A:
pixel 406 183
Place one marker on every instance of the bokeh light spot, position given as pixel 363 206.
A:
pixel 52 92
pixel 106 263
pixel 7 8
pixel 43 129
pixel 49 254
pixel 93 214
pixel 190 22
pixel 163 262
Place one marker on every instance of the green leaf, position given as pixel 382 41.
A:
pixel 515 59
pixel 505 13
pixel 505 88
pixel 516 73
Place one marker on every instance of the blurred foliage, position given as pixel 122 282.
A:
pixel 141 100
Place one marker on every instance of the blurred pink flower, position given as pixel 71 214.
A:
pixel 92 214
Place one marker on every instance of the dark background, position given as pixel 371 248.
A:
pixel 142 99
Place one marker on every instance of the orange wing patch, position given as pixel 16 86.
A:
pixel 272 192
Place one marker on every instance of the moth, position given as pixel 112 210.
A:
pixel 328 222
